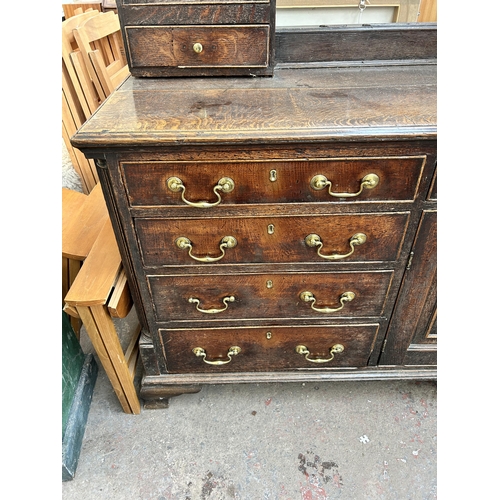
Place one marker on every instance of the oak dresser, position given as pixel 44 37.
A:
pixel 280 228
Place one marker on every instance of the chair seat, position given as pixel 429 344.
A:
pixel 82 221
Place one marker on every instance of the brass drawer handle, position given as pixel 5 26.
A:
pixel 319 182
pixel 225 184
pixel 233 351
pixel 225 300
pixel 313 240
pixel 309 297
pixel 198 48
pixel 303 350
pixel 227 242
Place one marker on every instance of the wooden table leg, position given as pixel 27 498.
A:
pixel 102 333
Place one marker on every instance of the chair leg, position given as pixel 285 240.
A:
pixel 102 333
pixel 70 269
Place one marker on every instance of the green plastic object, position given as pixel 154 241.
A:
pixel 79 374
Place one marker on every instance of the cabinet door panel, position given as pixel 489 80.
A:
pixel 412 334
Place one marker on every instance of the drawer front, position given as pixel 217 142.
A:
pixel 219 46
pixel 331 238
pixel 272 182
pixel 262 296
pixel 267 349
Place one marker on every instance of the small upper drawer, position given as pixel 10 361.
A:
pixel 330 238
pixel 198 46
pixel 267 349
pixel 172 184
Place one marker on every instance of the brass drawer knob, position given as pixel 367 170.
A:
pixel 309 297
pixel 319 182
pixel 225 300
pixel 313 240
pixel 226 185
pixel 227 242
pixel 233 351
pixel 304 351
pixel 198 48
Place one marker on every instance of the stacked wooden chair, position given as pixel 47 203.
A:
pixel 93 65
pixel 94 285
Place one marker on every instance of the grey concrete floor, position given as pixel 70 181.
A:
pixel 312 441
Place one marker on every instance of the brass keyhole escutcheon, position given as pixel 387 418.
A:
pixel 198 48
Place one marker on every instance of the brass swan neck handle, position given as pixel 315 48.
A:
pixel 227 242
pixel 369 181
pixel 225 184
pixel 309 297
pixel 225 300
pixel 304 351
pixel 313 240
pixel 201 353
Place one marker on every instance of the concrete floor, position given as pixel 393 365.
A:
pixel 313 441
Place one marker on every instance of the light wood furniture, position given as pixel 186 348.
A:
pixel 99 39
pixel 83 92
pixel 428 11
pixel 273 229
pixel 75 8
pixel 79 98
pixel 95 288
pixel 82 220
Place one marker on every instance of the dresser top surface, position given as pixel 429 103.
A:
pixel 295 105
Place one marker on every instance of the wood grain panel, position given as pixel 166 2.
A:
pixel 268 295
pixel 150 13
pixel 384 235
pixel 293 106
pixel 258 353
pixel 365 44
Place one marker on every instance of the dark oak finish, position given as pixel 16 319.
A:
pixel 165 38
pixel 222 46
pixel 412 338
pixel 271 136
pixel 412 43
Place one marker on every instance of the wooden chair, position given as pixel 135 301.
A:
pixel 79 98
pixel 100 38
pixel 96 291
pixel 74 8
pixel 92 67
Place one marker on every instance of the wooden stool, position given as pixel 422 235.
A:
pixel 99 293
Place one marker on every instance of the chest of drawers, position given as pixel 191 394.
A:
pixel 275 229
pixel 191 38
